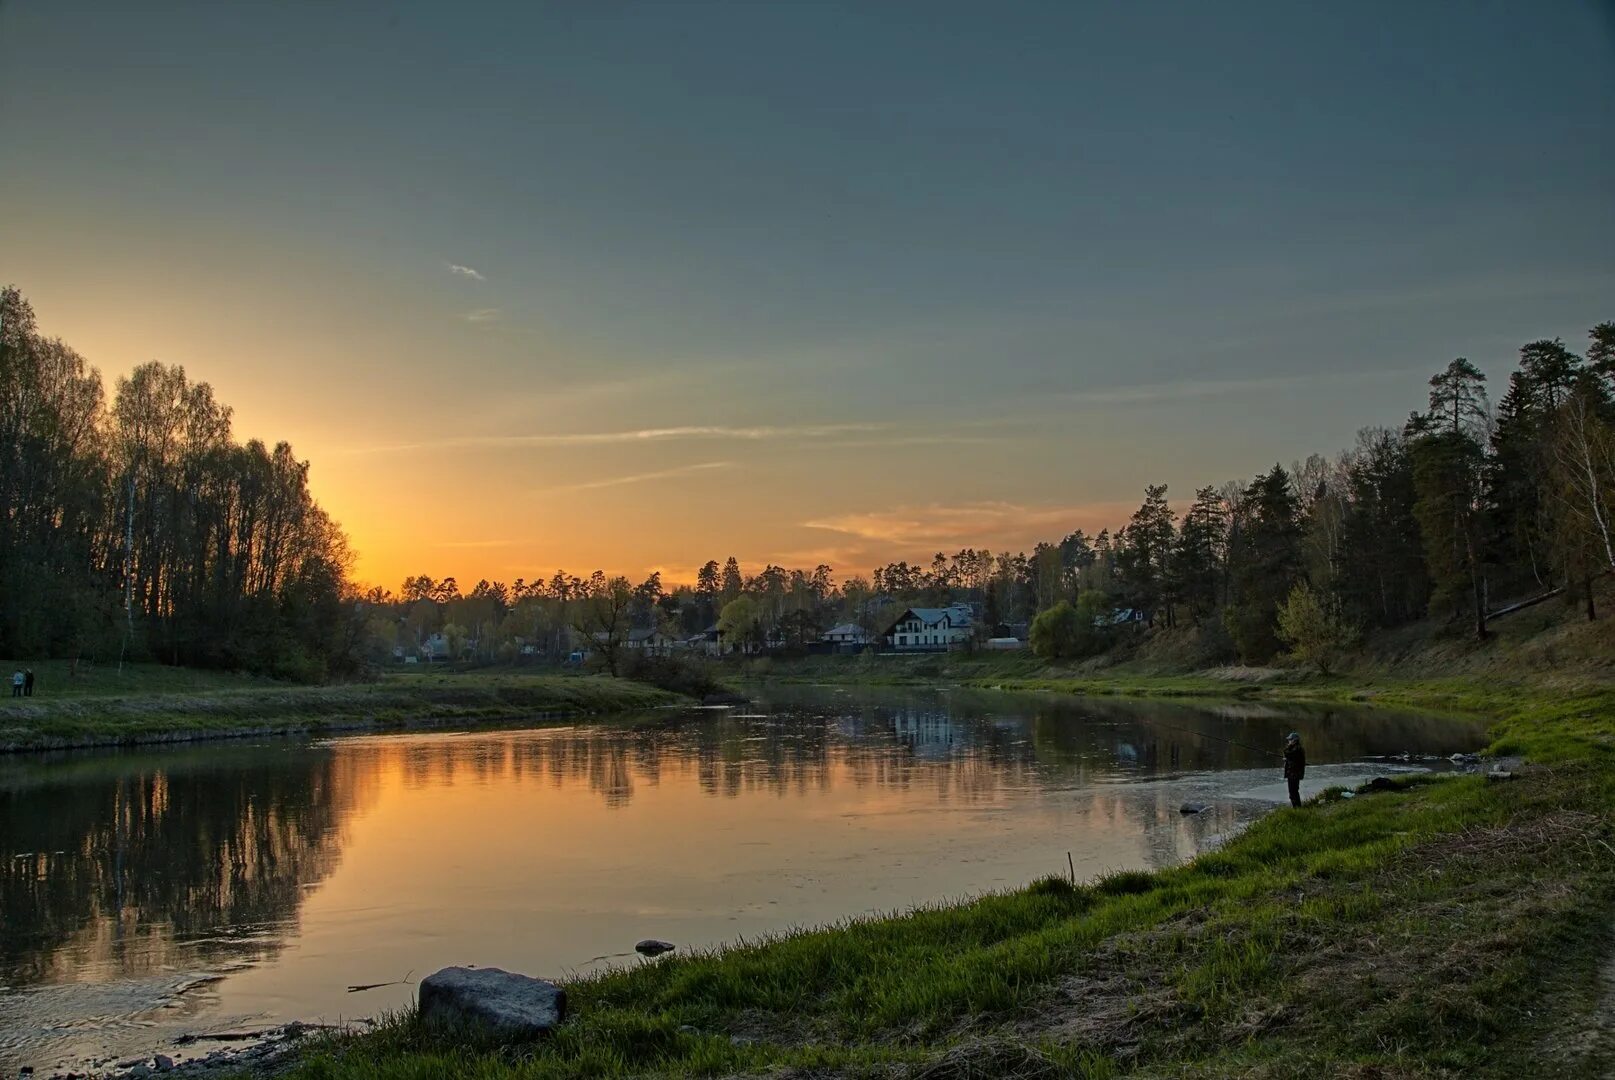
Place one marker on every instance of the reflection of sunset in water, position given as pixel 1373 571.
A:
pixel 301 867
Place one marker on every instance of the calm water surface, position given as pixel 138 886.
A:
pixel 149 894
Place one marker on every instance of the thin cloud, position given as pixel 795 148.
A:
pixel 639 435
pixel 896 441
pixel 693 431
pixel 465 271
pixel 1193 389
pixel 638 478
pixel 484 314
pixel 992 524
pixel 477 543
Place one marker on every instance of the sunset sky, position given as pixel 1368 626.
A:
pixel 632 285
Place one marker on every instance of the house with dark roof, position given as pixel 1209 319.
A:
pixel 931 629
pixel 849 637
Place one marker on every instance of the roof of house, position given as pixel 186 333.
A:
pixel 930 616
pixel 846 629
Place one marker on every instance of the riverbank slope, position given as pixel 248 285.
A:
pixel 159 705
pixel 1444 927
pixel 1435 663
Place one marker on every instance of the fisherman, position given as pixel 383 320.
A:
pixel 16 683
pixel 28 682
pixel 1295 765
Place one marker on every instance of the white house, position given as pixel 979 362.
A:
pixel 932 629
pixel 707 641
pixel 648 642
pixel 651 642
pixel 848 637
pixel 435 647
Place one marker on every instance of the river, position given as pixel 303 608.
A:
pixel 147 895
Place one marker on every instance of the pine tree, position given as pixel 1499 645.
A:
pixel 1264 563
pixel 1201 552
pixel 1143 561
pixel 733 583
pixel 1381 579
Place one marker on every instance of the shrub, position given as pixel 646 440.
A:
pixel 1066 632
pixel 1314 634
pixel 677 674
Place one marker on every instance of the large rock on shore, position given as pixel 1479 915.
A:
pixel 517 1006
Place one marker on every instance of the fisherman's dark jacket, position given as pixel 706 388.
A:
pixel 1295 762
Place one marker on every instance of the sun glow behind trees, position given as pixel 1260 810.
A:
pixel 141 528
pixel 1457 509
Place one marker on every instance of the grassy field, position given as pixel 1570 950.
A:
pixel 1449 927
pixel 56 679
pixel 149 703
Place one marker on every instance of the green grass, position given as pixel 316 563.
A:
pixel 153 704
pixel 1448 927
pixel 56 679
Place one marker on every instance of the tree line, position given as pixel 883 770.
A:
pixel 1462 510
pixel 139 527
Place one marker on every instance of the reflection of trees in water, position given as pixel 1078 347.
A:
pixel 962 746
pixel 130 856
pixel 961 750
pixel 121 862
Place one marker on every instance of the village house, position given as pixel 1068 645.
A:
pixel 846 638
pixel 1122 617
pixel 434 648
pixel 932 629
pixel 706 642
pixel 651 642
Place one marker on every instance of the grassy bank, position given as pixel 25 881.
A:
pixel 1548 647
pixel 1447 927
pixel 150 704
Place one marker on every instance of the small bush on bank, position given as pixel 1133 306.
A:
pixel 686 675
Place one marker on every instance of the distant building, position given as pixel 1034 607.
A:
pixel 848 637
pixel 707 641
pixel 931 629
pixel 651 642
pixel 1122 617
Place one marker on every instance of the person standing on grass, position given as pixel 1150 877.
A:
pixel 28 683
pixel 1295 766
pixel 16 683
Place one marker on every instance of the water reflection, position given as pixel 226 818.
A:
pixel 540 848
pixel 109 859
